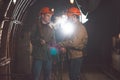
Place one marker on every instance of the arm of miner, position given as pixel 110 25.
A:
pixel 79 39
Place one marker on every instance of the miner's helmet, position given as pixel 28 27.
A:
pixel 45 10
pixel 73 11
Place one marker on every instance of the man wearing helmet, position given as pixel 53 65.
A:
pixel 42 36
pixel 75 44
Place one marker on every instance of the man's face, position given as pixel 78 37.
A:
pixel 46 17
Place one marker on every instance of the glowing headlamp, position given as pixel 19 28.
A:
pixel 62 19
pixel 67 27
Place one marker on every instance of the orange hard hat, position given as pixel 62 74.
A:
pixel 73 10
pixel 45 10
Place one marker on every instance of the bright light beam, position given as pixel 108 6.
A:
pixel 62 19
pixel 67 28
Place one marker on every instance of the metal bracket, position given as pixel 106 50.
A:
pixel 4 61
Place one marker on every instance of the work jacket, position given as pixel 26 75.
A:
pixel 42 32
pixel 76 42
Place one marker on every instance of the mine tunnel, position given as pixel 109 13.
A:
pixel 102 52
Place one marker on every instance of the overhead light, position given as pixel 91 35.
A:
pixel 14 1
pixel 71 1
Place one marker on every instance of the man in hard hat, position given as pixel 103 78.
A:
pixel 75 43
pixel 42 36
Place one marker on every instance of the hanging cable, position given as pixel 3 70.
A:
pixel 82 15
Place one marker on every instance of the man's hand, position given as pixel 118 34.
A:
pixel 42 42
pixel 63 50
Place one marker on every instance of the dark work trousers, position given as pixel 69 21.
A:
pixel 74 68
pixel 38 65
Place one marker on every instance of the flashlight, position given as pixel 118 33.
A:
pixel 61 20
pixel 67 27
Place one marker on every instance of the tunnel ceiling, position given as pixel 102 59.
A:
pixel 86 5
pixel 98 9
